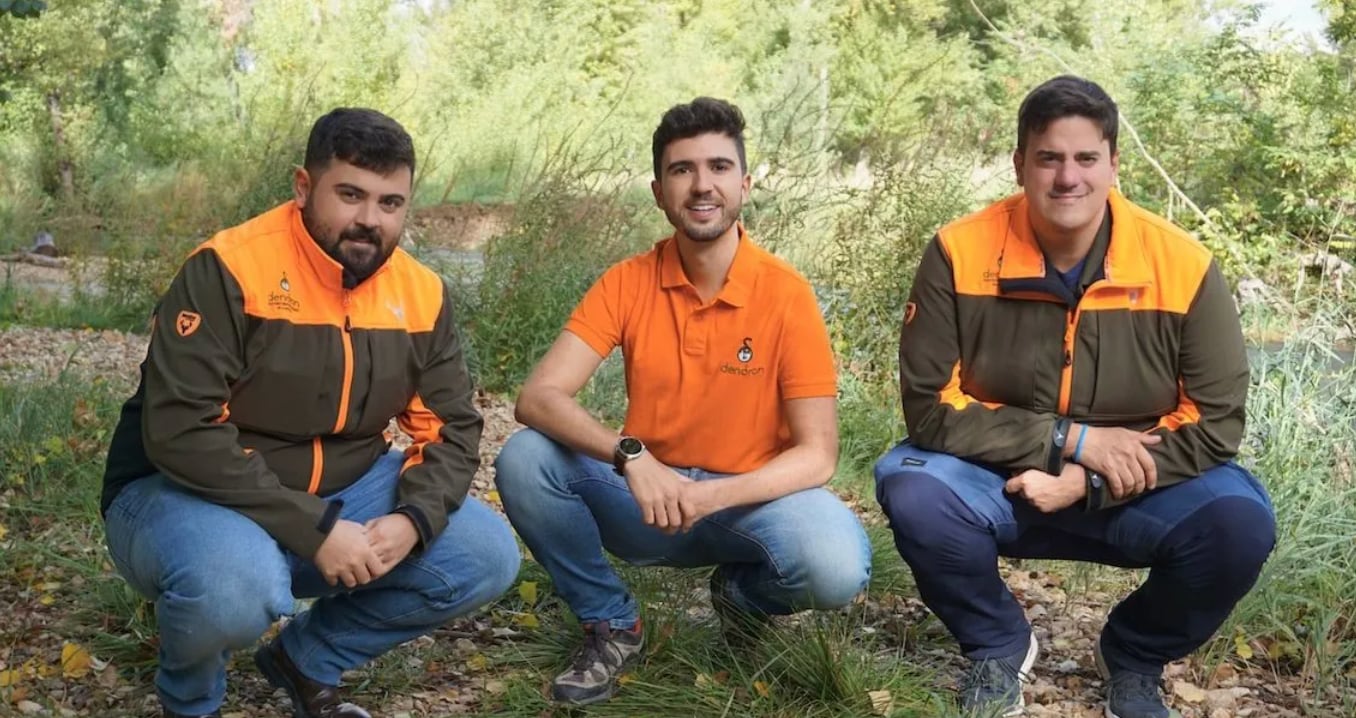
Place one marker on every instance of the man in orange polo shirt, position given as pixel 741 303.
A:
pixel 731 426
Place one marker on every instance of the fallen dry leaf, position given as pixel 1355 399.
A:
pixel 75 661
pixel 882 702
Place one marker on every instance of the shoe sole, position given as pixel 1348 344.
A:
pixel 264 662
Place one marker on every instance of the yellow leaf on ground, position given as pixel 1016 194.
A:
pixel 882 703
pixel 478 662
pixel 3 531
pixel 702 681
pixel 528 620
pixel 75 661
pixel 9 678
pixel 762 689
pixel 1241 646
pixel 47 599
pixel 527 590
pixel 625 678
pixel 493 497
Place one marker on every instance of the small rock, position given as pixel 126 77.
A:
pixel 28 708
pixel 1067 666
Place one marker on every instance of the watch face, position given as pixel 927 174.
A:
pixel 630 446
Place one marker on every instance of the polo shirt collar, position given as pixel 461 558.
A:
pixel 739 281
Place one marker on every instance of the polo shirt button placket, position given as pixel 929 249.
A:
pixel 694 334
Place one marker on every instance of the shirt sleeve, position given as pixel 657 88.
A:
pixel 807 368
pixel 598 318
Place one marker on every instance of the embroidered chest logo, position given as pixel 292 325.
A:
pixel 397 310
pixel 187 322
pixel 745 355
pixel 283 300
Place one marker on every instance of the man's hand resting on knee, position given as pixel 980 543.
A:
pixel 1050 493
pixel 393 537
pixel 1122 457
pixel 658 491
pixel 347 557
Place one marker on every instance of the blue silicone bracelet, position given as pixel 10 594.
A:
pixel 1078 447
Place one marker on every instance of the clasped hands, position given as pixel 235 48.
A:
pixel 355 554
pixel 1121 456
pixel 668 500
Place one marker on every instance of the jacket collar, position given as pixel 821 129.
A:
pixel 739 281
pixel 1123 262
pixel 323 266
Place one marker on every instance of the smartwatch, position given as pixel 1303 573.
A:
pixel 628 448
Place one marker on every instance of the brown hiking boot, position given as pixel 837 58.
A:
pixel 309 699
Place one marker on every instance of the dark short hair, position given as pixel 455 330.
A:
pixel 1066 96
pixel 361 137
pixel 699 117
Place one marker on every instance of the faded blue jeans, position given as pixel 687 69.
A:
pixel 805 550
pixel 219 581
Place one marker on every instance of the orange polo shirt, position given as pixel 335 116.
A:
pixel 706 383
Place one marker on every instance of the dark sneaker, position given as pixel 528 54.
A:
pixel 993 687
pixel 309 699
pixel 1130 694
pixel 596 665
pixel 171 714
pixel 740 628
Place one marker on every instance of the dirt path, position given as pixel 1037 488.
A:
pixel 1067 618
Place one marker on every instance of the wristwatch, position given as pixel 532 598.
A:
pixel 628 448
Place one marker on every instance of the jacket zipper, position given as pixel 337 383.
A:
pixel 317 450
pixel 1073 314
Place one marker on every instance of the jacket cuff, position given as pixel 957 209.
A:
pixel 420 521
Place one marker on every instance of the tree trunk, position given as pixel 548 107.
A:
pixel 64 166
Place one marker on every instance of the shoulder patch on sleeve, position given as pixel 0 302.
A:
pixel 187 322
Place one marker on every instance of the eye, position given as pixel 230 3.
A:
pixel 348 195
pixel 392 204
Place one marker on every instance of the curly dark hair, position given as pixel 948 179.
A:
pixel 698 117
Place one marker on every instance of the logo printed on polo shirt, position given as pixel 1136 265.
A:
pixel 745 353
pixel 286 285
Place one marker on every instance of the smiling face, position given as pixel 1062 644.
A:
pixel 1067 172
pixel 702 186
pixel 355 215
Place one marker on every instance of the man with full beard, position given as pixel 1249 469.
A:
pixel 730 430
pixel 252 464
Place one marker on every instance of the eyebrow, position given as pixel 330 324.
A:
pixel 1088 154
pixel 709 160
pixel 363 192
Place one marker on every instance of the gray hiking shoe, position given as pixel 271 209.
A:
pixel 740 628
pixel 596 665
pixel 1130 694
pixel 993 687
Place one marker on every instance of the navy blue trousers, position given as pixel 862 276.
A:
pixel 1204 541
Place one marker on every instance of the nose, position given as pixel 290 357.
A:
pixel 368 214
pixel 1067 176
pixel 701 182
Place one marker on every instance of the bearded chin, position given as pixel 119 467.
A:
pixel 354 272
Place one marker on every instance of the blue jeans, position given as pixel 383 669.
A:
pixel 219 581
pixel 1204 539
pixel 804 550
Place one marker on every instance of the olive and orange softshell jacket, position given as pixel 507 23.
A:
pixel 995 349
pixel 269 386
